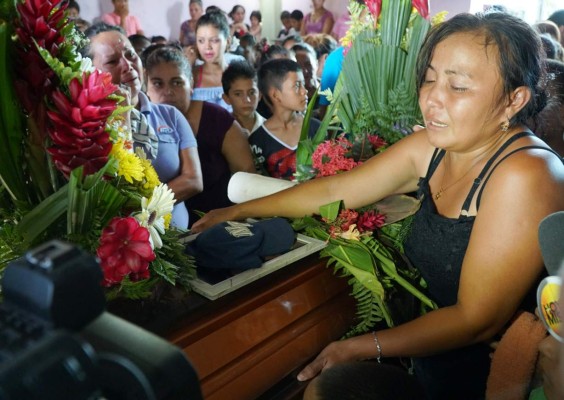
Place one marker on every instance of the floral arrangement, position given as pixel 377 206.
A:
pixel 67 168
pixel 375 103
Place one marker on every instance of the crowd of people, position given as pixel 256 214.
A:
pixel 225 99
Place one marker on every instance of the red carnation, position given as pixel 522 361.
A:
pixel 125 250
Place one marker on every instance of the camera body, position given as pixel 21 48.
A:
pixel 57 341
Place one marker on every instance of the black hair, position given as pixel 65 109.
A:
pixel 234 10
pixel 273 74
pixel 551 46
pixel 95 30
pixel 276 50
pixel 141 40
pixel 210 9
pixel 557 17
pixel 157 38
pixel 303 46
pixel 215 19
pixel 549 123
pixel 73 4
pixel 160 54
pixel 257 15
pixel 519 49
pixel 285 14
pixel 297 15
pixel 237 70
pixel 366 380
pixel 248 39
pixel 296 38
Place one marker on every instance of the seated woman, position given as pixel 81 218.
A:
pixel 188 27
pixel 222 144
pixel 480 173
pixel 176 161
pixel 238 28
pixel 320 20
pixel 212 34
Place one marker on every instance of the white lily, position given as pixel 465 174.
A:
pixel 352 233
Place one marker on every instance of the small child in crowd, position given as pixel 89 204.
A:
pixel 296 20
pixel 286 25
pixel 274 144
pixel 240 90
pixel 256 25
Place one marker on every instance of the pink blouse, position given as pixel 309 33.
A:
pixel 132 25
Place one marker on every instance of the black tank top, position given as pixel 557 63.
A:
pixel 436 246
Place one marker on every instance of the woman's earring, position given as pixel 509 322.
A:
pixel 505 126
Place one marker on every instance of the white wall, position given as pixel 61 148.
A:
pixel 163 17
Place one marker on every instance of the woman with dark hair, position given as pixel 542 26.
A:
pixel 188 27
pixel 549 123
pixel 212 38
pixel 320 20
pixel 222 144
pixel 174 156
pixel 256 25
pixel 237 14
pixel 479 172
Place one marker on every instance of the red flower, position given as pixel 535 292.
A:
pixel 39 23
pixel 422 7
pixel 376 141
pixel 331 157
pixel 375 7
pixel 346 218
pixel 370 221
pixel 125 250
pixel 78 124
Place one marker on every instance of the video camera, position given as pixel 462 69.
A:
pixel 57 342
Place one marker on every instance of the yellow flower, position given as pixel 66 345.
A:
pixel 129 165
pixel 438 18
pixel 167 219
pixel 151 178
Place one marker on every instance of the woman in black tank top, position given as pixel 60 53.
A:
pixel 485 183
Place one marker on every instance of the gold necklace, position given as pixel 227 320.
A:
pixel 443 189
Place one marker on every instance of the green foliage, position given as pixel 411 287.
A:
pixel 132 290
pixel 375 93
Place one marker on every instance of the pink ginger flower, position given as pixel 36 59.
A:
pixel 370 221
pixel 78 124
pixel 422 7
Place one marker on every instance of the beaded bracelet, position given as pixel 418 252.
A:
pixel 378 347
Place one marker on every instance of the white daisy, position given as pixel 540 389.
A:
pixel 153 213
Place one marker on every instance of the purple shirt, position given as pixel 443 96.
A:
pixel 316 27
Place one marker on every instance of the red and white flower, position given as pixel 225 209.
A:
pixel 125 250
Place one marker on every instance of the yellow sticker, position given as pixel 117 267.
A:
pixel 548 295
